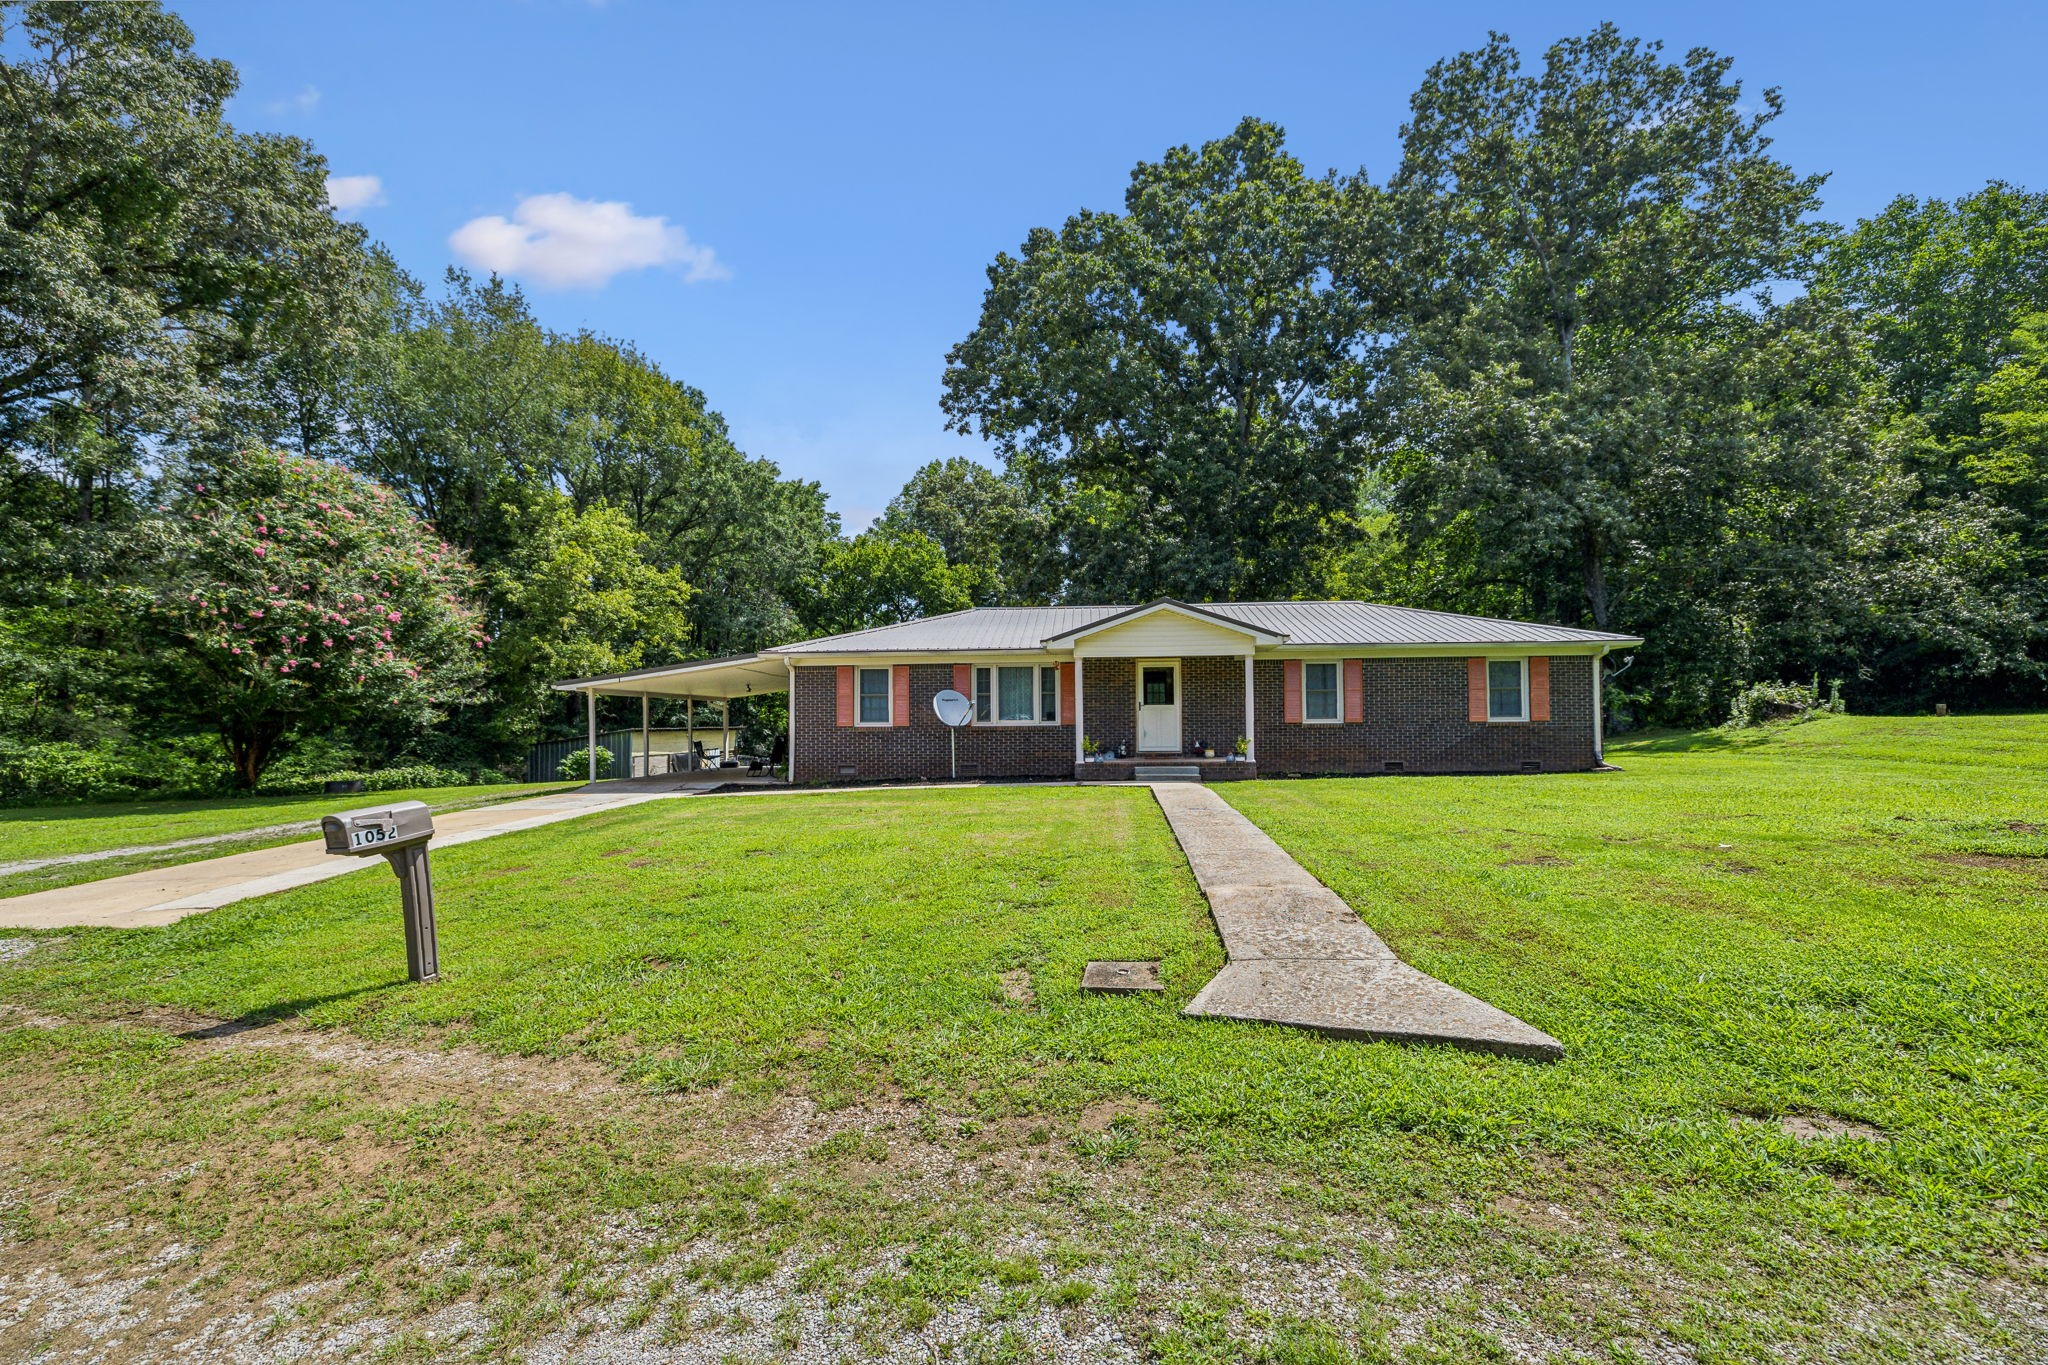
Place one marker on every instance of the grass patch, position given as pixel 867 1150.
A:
pixel 52 831
pixel 747 1071
pixel 28 833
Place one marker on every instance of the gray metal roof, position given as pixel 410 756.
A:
pixel 1308 624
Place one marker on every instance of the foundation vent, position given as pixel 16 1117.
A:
pixel 849 771
pixel 1530 765
pixel 1395 765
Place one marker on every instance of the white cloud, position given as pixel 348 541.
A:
pixel 562 242
pixel 348 193
pixel 305 102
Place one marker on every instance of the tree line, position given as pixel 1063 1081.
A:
pixel 1589 354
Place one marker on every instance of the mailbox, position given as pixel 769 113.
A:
pixel 398 833
pixel 376 829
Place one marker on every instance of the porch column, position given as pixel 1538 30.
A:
pixel 590 712
pixel 690 732
pixel 1080 720
pixel 724 729
pixel 646 751
pixel 789 757
pixel 1251 719
pixel 1599 720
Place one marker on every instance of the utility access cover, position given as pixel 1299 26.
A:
pixel 1121 978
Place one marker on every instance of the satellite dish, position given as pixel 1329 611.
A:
pixel 952 708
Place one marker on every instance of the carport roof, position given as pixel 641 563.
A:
pixel 733 675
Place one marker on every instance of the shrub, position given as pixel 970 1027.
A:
pixel 576 766
pixel 127 770
pixel 380 779
pixel 1764 702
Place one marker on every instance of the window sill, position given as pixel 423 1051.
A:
pixel 1332 720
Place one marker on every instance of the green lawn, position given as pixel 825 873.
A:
pixel 28 833
pixel 813 1068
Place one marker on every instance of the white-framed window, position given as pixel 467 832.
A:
pixel 872 695
pixel 1322 697
pixel 1507 689
pixel 1016 694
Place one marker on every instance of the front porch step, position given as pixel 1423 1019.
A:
pixel 1167 772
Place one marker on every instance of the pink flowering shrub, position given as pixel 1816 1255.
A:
pixel 300 597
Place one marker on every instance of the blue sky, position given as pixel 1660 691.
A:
pixel 831 182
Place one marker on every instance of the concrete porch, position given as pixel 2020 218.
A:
pixel 1218 769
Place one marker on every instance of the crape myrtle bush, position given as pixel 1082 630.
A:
pixel 294 597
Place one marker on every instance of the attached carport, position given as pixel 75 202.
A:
pixel 719 680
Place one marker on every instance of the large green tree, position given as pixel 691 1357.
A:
pixel 1941 285
pixel 1570 242
pixel 983 524
pixel 880 578
pixel 1165 381
pixel 145 244
pixel 581 595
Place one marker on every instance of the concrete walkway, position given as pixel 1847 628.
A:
pixel 1300 956
pixel 167 894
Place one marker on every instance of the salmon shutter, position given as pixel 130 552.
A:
pixel 1475 688
pixel 1066 694
pixel 1290 692
pixel 845 672
pixel 963 679
pixel 1354 691
pixel 1539 689
pixel 899 680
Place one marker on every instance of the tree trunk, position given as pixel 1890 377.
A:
pixel 1594 572
pixel 250 750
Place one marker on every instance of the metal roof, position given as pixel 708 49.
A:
pixel 731 675
pixel 1305 624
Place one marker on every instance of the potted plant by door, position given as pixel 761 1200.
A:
pixel 1090 751
pixel 1240 749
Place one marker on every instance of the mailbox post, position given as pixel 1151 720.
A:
pixel 399 833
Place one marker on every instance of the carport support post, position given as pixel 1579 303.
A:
pixel 646 750
pixel 724 728
pixel 590 712
pixel 690 731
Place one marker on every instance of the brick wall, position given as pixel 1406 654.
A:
pixel 1415 715
pixel 898 753
pixel 1109 703
pixel 1211 702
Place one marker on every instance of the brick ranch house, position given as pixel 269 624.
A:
pixel 1096 692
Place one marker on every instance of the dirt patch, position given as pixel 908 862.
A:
pixel 1816 1127
pixel 1099 1116
pixel 1540 860
pixel 2022 827
pixel 1813 1125
pixel 641 862
pixel 1017 986
pixel 2004 861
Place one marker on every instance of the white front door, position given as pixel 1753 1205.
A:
pixel 1159 707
